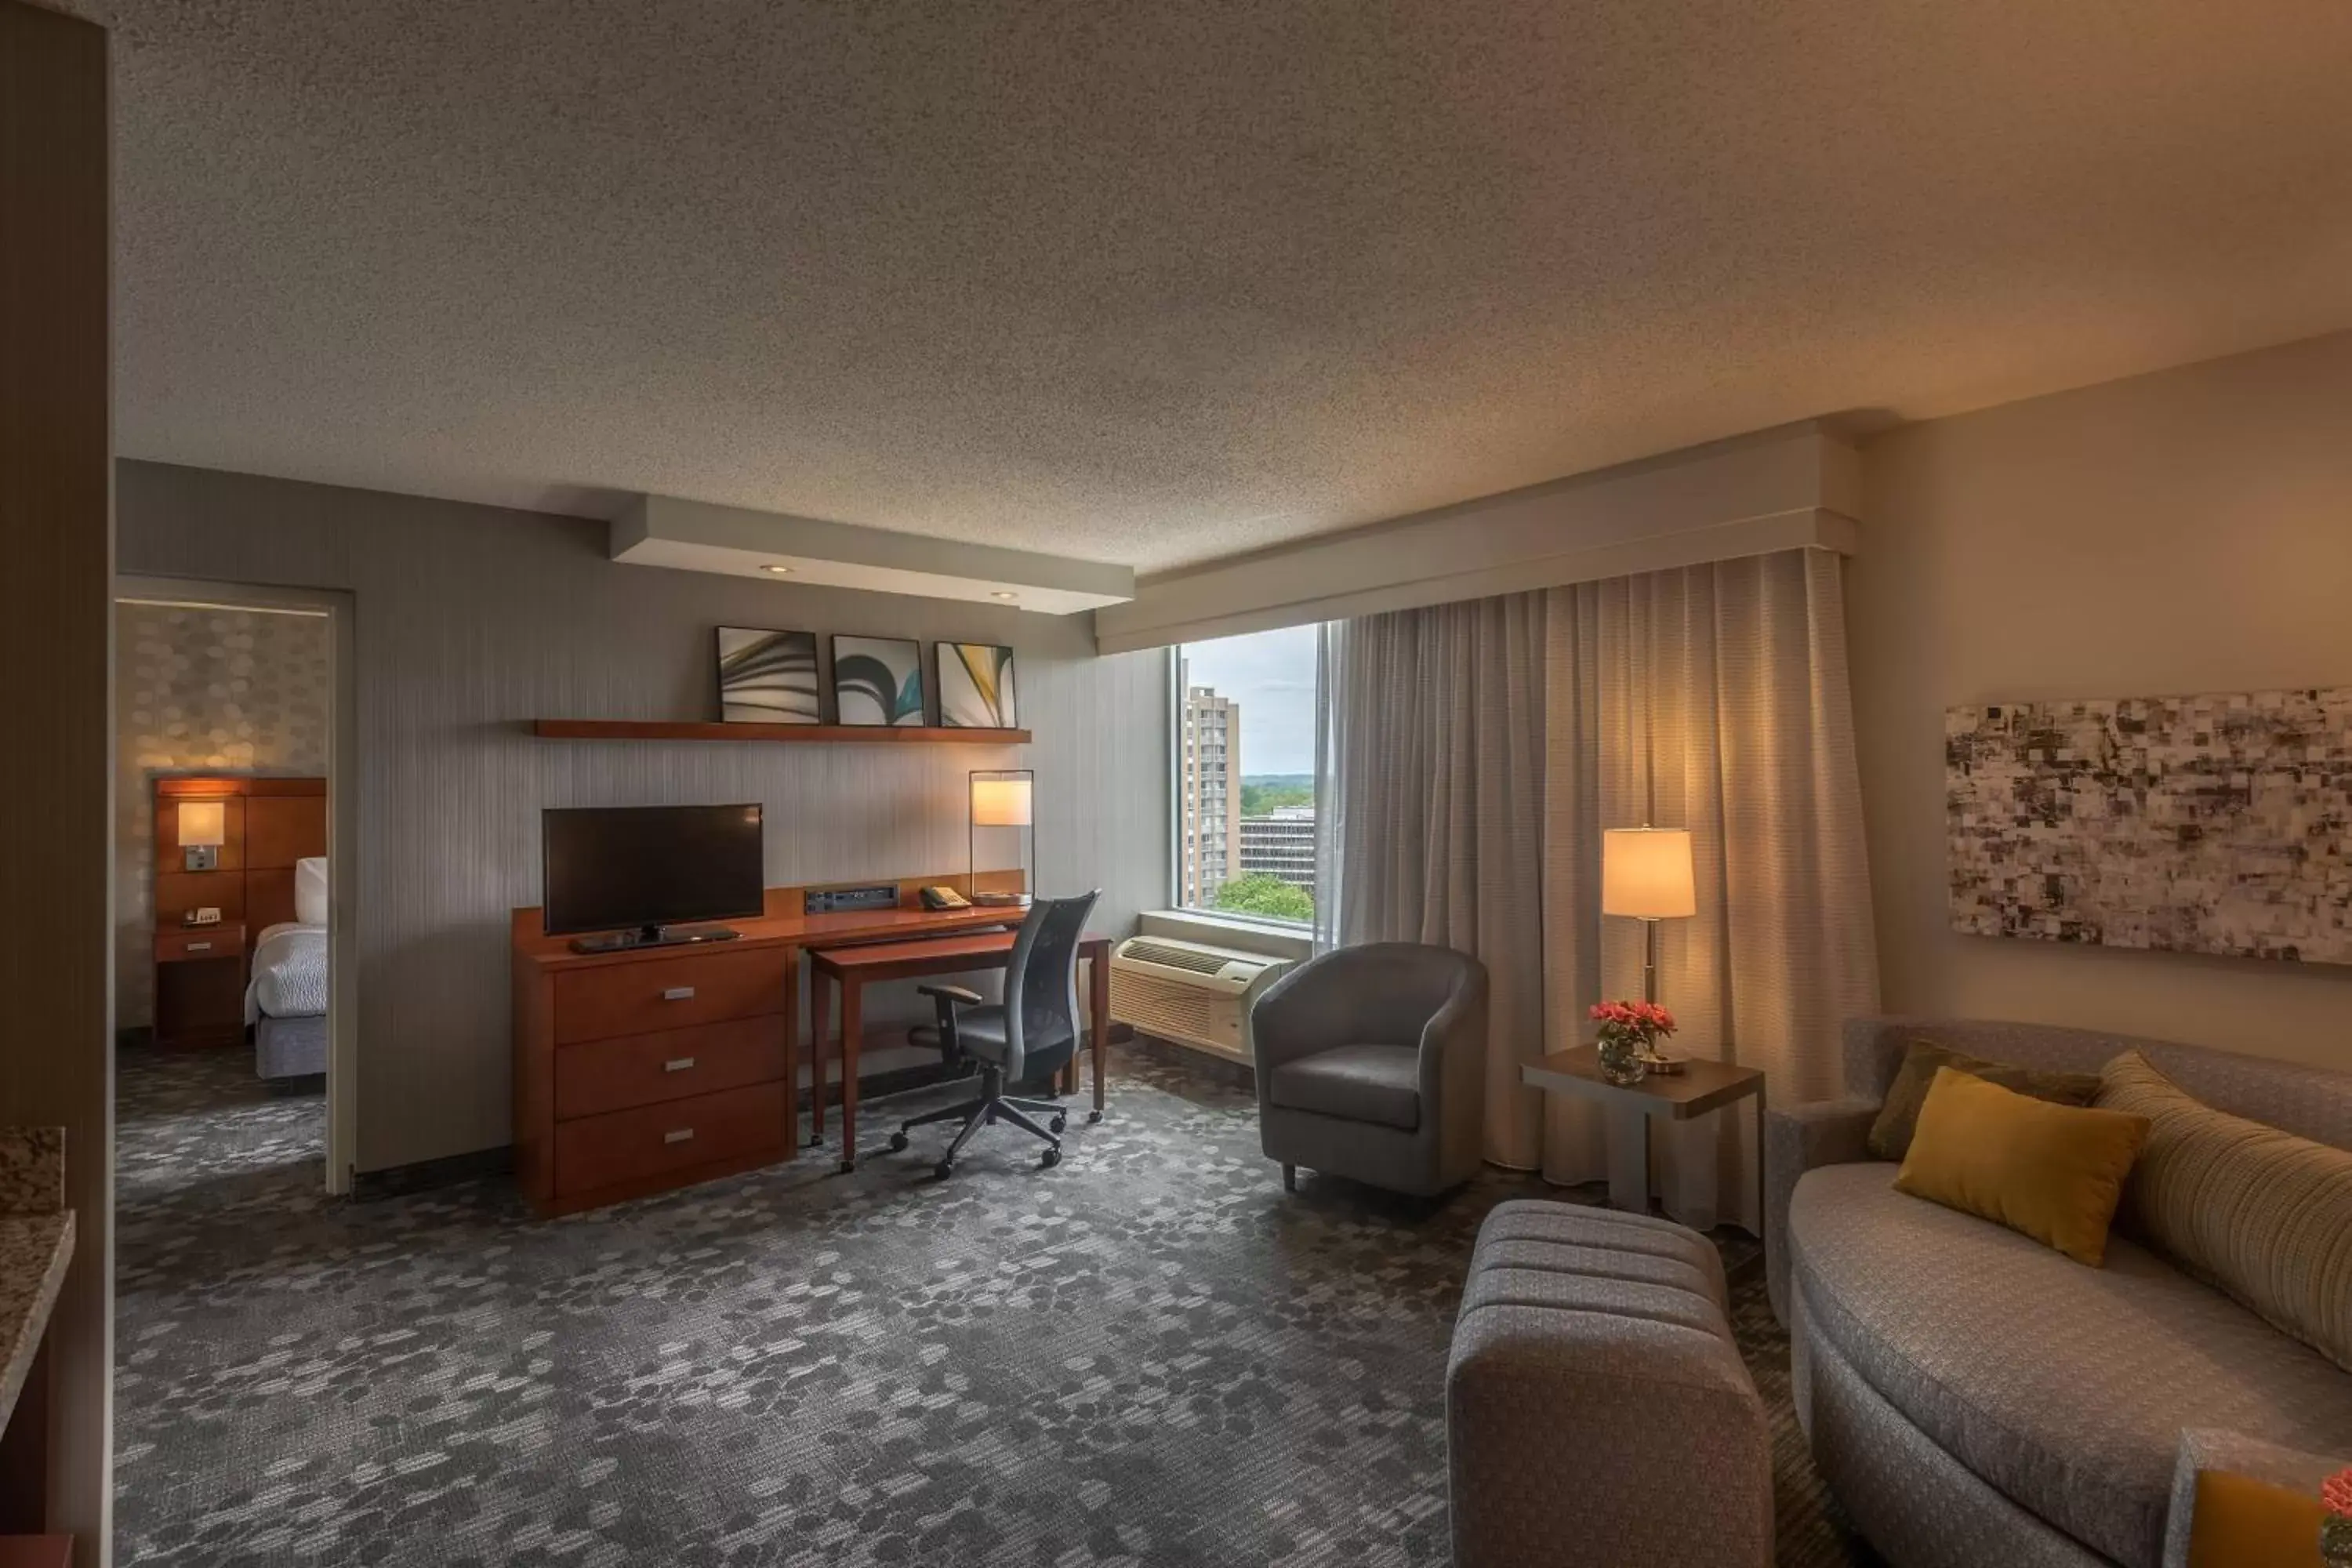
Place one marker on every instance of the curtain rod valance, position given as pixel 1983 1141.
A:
pixel 1790 489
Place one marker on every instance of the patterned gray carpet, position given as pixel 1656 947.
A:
pixel 1149 1355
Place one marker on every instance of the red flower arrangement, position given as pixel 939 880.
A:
pixel 1630 1032
pixel 1650 1020
pixel 2335 1531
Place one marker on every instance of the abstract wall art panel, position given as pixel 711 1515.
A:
pixel 767 677
pixel 976 689
pixel 877 680
pixel 2213 825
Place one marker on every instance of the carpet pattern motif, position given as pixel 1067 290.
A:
pixel 1148 1355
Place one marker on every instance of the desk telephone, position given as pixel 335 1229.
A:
pixel 943 897
pixel 203 917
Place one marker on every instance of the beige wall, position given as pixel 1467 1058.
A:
pixel 469 621
pixel 2185 532
pixel 201 688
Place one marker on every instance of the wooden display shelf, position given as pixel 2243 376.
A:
pixel 833 734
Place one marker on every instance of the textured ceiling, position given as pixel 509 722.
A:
pixel 1155 282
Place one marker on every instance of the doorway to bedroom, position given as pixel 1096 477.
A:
pixel 234 990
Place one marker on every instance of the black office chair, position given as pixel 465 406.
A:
pixel 1036 1031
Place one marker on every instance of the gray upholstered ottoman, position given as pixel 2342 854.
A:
pixel 1597 1412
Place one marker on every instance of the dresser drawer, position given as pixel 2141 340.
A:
pixel 646 994
pixel 222 939
pixel 598 1076
pixel 654 1141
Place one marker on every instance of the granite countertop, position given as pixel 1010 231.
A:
pixel 36 1238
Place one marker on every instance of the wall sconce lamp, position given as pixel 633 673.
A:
pixel 204 828
pixel 1001 798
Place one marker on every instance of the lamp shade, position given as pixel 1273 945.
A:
pixel 1000 803
pixel 204 824
pixel 1646 872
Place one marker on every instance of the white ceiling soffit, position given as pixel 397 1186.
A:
pixel 1795 487
pixel 694 536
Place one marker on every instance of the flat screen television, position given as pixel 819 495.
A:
pixel 641 870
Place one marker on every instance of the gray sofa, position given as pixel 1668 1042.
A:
pixel 1371 1065
pixel 1974 1397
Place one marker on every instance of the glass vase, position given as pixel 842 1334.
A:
pixel 1620 1060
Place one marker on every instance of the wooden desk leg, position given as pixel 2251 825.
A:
pixel 820 1006
pixel 853 1009
pixel 1098 989
pixel 792 1053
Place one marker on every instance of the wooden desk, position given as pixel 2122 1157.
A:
pixel 852 969
pixel 652 1068
pixel 1702 1085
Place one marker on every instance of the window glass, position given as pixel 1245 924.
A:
pixel 1245 775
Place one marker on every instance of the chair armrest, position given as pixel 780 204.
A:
pixel 1797 1138
pixel 958 994
pixel 2210 1448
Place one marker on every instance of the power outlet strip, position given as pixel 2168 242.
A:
pixel 839 900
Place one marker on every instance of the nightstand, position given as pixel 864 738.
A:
pixel 200 984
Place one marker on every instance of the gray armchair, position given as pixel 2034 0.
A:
pixel 1371 1065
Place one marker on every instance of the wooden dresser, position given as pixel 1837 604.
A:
pixel 659 1067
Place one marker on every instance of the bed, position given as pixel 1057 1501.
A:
pixel 285 1001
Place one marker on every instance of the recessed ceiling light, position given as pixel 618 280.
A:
pixel 1001 594
pixel 778 570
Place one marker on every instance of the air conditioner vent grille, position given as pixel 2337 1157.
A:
pixel 1173 1012
pixel 1168 956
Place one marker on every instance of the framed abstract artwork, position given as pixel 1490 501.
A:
pixel 877 680
pixel 976 687
pixel 767 677
pixel 2213 824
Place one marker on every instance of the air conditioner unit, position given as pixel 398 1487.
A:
pixel 1189 992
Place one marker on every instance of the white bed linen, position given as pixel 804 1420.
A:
pixel 289 974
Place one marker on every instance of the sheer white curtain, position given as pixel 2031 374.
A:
pixel 1713 697
pixel 1429 811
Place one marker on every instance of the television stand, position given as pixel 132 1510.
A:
pixel 652 936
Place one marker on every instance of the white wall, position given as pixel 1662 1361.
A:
pixel 2185 532
pixel 471 621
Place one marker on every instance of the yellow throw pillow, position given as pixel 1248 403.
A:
pixel 2051 1172
pixel 2240 1522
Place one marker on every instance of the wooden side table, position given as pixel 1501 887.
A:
pixel 200 984
pixel 1702 1085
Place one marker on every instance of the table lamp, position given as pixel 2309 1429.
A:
pixel 1645 875
pixel 1001 798
pixel 204 828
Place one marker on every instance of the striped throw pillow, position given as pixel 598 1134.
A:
pixel 2260 1215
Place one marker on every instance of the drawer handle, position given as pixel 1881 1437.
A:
pixel 678 1064
pixel 200 947
pixel 678 994
pixel 680 1136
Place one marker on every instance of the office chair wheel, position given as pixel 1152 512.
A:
pixel 1094 1116
pixel 944 1168
pixel 1050 1158
pixel 1058 1122
pixel 899 1141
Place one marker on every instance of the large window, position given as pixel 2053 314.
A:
pixel 1245 775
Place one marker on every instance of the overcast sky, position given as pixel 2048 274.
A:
pixel 1271 675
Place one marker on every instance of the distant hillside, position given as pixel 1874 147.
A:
pixel 1261 793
